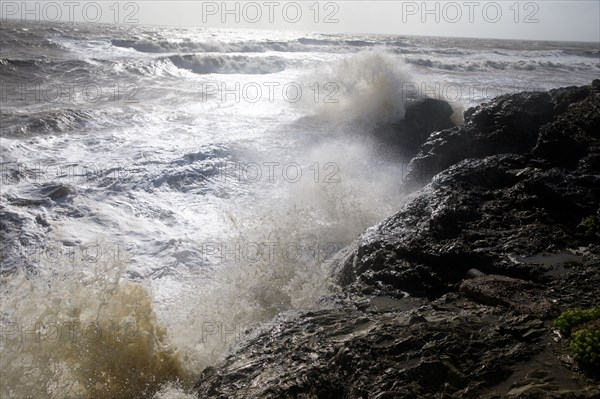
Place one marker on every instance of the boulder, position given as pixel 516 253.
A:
pixel 404 137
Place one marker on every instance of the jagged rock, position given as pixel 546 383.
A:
pixel 350 353
pixel 520 295
pixel 541 384
pixel 479 211
pixel 573 139
pixel 421 119
pixel 562 125
pixel 474 215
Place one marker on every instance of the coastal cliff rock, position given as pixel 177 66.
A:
pixel 455 295
pixel 559 125
pixel 420 120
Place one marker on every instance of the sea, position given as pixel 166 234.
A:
pixel 167 192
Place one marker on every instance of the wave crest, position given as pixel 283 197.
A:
pixel 371 88
pixel 228 64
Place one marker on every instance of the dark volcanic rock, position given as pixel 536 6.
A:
pixel 371 352
pixel 413 320
pixel 421 119
pixel 484 210
pixel 572 140
pixel 519 295
pixel 481 213
pixel 561 125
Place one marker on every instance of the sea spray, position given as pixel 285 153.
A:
pixel 275 255
pixel 93 335
pixel 368 88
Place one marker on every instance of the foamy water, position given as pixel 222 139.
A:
pixel 165 190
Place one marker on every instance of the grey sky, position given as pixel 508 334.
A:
pixel 537 20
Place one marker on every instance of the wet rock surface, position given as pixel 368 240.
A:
pixel 454 296
pixel 420 120
pixel 561 125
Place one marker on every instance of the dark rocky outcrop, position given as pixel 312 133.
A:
pixel 455 295
pixel 559 125
pixel 420 120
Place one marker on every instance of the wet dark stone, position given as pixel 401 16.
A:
pixel 562 125
pixel 421 119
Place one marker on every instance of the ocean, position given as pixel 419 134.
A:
pixel 168 191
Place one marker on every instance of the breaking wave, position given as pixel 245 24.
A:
pixel 76 331
pixel 368 89
pixel 164 46
pixel 213 46
pixel 47 122
pixel 228 64
pixel 491 65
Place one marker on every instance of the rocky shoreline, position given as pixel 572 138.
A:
pixel 455 295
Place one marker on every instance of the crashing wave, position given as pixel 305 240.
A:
pixel 228 64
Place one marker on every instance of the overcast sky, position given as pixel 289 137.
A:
pixel 536 20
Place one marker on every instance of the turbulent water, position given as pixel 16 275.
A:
pixel 166 190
